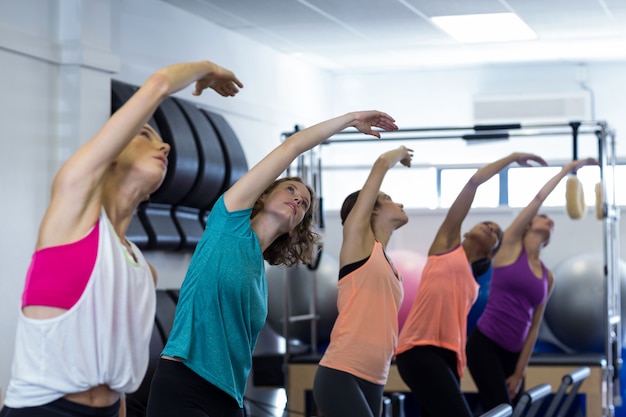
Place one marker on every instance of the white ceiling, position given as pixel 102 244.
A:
pixel 383 35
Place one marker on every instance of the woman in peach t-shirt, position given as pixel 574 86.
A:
pixel 353 371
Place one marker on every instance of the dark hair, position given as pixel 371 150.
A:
pixel 500 234
pixel 291 249
pixel 348 205
pixel 482 265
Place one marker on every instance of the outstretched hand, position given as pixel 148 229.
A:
pixel 408 155
pixel 401 154
pixel 223 81
pixel 365 120
pixel 524 159
pixel 405 155
pixel 579 163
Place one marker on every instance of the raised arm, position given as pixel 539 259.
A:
pixel 449 234
pixel 358 237
pixel 77 187
pixel 514 233
pixel 248 188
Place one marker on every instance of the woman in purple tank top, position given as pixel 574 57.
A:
pixel 500 346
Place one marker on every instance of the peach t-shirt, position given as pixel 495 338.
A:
pixel 365 334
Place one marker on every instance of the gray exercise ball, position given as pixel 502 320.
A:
pixel 301 286
pixel 575 311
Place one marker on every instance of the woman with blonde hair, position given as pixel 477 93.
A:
pixel 88 305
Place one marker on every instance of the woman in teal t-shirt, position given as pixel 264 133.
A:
pixel 223 299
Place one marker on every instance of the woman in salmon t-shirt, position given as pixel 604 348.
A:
pixel 431 348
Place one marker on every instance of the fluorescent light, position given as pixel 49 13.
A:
pixel 493 27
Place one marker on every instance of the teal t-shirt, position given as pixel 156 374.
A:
pixel 223 303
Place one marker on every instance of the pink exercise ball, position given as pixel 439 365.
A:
pixel 410 265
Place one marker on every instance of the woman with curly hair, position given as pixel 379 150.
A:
pixel 223 300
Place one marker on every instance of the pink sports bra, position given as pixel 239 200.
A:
pixel 58 275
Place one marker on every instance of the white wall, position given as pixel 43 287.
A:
pixel 57 58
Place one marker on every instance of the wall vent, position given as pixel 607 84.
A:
pixel 563 107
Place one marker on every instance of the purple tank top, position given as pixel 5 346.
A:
pixel 514 293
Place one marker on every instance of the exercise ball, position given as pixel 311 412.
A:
pixel 575 311
pixel 301 281
pixel 410 265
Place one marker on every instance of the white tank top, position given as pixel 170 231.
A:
pixel 103 339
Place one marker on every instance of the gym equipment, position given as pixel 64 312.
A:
pixel 573 312
pixel 410 265
pixel 205 159
pixel 302 284
pixel 502 410
pixel 574 195
pixel 610 304
pixel 531 400
pixel 562 400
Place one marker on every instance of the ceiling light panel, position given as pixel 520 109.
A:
pixel 484 28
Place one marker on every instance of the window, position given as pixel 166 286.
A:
pixel 453 180
pixel 413 187
pixel 417 187
pixel 524 184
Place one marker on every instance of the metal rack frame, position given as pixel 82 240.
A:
pixel 311 171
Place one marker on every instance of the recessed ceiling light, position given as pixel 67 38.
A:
pixel 492 27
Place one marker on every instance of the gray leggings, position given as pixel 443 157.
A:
pixel 340 394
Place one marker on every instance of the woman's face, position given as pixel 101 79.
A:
pixel 146 154
pixel 289 201
pixel 388 209
pixel 489 233
pixel 544 224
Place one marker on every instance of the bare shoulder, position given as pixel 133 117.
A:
pixel 155 277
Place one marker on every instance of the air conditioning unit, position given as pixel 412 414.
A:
pixel 532 108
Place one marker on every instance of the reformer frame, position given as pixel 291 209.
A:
pixel 310 167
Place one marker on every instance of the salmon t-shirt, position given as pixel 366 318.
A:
pixel 438 315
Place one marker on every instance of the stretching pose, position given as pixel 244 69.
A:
pixel 431 350
pixel 353 371
pixel 88 305
pixel 499 347
pixel 223 299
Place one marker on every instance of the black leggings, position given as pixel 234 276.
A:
pixel 62 408
pixel 341 394
pixel 177 391
pixel 431 374
pixel 490 366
